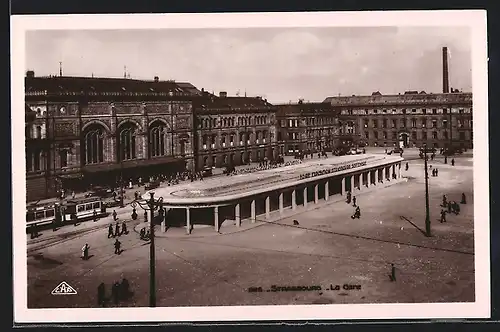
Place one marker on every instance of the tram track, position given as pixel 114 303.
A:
pixel 62 238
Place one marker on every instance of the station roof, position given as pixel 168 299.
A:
pixel 401 99
pixel 70 84
pixel 222 189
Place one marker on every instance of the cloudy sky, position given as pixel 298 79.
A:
pixel 277 63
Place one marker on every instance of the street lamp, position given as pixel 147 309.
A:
pixel 151 206
pixel 427 216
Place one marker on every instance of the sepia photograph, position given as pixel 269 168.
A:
pixel 256 166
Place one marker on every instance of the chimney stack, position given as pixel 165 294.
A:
pixel 223 94
pixel 446 88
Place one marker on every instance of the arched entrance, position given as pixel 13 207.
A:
pixel 404 139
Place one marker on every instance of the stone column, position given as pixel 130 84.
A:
pixel 369 178
pixel 316 194
pixel 399 171
pixel 342 189
pixel 294 200
pixel 305 196
pixel 352 184
pixel 188 222
pixel 216 218
pixel 237 215
pixel 163 227
pixel 252 210
pixel 327 189
pixel 380 178
pixel 268 207
pixel 281 203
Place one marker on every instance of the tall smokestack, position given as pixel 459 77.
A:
pixel 446 87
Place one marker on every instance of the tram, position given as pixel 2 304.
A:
pixel 42 215
pixel 83 209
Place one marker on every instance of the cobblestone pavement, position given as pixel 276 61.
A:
pixel 326 248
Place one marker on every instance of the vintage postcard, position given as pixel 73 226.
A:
pixel 284 166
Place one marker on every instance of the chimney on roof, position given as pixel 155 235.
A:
pixel 446 88
pixel 30 73
pixel 60 68
pixel 223 94
pixel 157 78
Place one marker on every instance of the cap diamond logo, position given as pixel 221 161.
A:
pixel 64 289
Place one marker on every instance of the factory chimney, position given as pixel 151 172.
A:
pixel 446 87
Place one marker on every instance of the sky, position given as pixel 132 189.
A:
pixel 279 64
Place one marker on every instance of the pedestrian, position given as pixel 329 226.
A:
pixel 117 229
pixel 124 228
pixel 147 236
pixel 354 201
pixel 443 216
pixel 124 289
pixel 115 215
pixel 142 233
pixel 110 231
pixel 437 172
pixel 463 201
pixel 453 162
pixel 445 159
pixel 114 292
pixel 444 201
pixel 101 294
pixel 85 252
pixel 73 194
pixel 114 195
pixel 406 168
pixel 134 214
pixel 74 219
pixel 392 277
pixel 117 246
pixel 94 215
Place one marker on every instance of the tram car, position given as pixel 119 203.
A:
pixel 42 215
pixel 83 209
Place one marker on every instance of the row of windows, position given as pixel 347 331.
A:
pixel 241 158
pixel 94 141
pixel 232 121
pixel 209 141
pixel 403 111
pixel 424 135
pixel 461 123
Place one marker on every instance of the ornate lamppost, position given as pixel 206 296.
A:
pixel 151 205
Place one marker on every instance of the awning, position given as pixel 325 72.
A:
pixel 129 164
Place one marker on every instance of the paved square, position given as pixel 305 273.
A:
pixel 326 248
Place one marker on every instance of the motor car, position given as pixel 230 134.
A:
pixel 102 192
pixel 207 171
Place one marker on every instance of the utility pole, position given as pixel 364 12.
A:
pixel 427 216
pixel 152 287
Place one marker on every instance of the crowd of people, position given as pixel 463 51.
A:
pixel 264 166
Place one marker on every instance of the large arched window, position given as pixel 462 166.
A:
pixel 94 145
pixel 157 133
pixel 126 138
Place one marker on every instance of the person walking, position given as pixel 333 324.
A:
pixel 85 252
pixel 101 294
pixel 117 247
pixel 443 216
pixel 453 162
pixel 354 201
pixel 110 231
pixel 445 159
pixel 124 228
pixel 117 229
pixel 115 215
pixel 406 167
pixel 392 276
pixel 94 215
pixel 463 201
